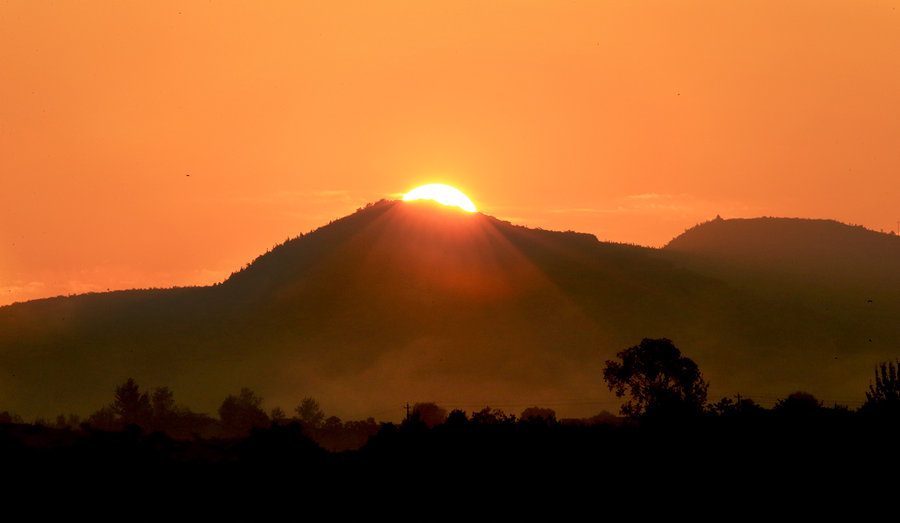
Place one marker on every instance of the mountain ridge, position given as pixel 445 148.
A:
pixel 825 249
pixel 408 301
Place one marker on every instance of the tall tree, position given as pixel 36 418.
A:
pixel 309 413
pixel 162 402
pixel 130 404
pixel 884 394
pixel 887 385
pixel 657 380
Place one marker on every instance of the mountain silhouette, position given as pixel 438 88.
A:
pixel 832 252
pixel 414 301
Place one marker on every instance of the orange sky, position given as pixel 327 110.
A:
pixel 629 120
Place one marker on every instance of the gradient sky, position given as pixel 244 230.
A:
pixel 628 120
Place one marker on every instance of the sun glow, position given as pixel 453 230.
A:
pixel 442 194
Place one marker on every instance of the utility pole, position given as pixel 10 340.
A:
pixel 407 411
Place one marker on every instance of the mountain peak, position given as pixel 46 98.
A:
pixel 812 246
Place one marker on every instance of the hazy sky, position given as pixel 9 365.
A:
pixel 629 120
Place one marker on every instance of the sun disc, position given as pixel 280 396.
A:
pixel 441 193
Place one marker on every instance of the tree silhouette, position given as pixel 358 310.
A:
pixel 429 414
pixel 489 416
pixel 309 412
pixel 799 400
pixel 538 415
pixel 729 407
pixel 241 413
pixel 333 423
pixel 657 379
pixel 162 402
pixel 131 405
pixel 7 417
pixel 67 422
pixel 278 416
pixel 457 417
pixel 104 419
pixel 799 407
pixel 885 392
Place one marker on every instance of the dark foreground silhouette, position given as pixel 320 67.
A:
pixel 673 452
pixel 795 449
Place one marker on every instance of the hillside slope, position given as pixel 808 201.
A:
pixel 416 302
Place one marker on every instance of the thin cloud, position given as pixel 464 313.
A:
pixel 650 196
pixel 586 210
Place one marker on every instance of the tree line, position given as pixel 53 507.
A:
pixel 657 383
pixel 669 443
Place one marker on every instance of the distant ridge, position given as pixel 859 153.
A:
pixel 818 248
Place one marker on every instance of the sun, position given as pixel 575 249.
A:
pixel 442 194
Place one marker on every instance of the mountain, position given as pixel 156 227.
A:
pixel 412 301
pixel 820 249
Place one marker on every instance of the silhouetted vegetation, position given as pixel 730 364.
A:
pixel 799 402
pixel 245 450
pixel 154 411
pixel 883 395
pixel 489 416
pixel 538 415
pixel 429 414
pixel 657 379
pixel 727 407
pixel 310 414
pixel 8 418
pixel 241 414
